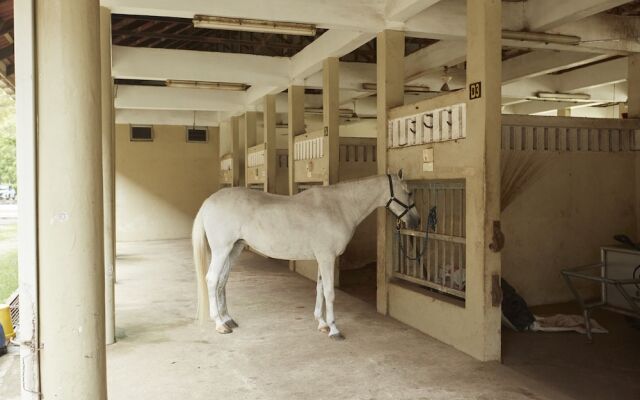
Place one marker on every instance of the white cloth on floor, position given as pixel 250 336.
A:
pixel 564 323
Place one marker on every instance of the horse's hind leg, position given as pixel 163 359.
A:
pixel 317 313
pixel 219 259
pixel 222 286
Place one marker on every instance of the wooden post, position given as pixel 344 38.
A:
pixel 296 127
pixel 270 162
pixel 331 115
pixel 390 91
pixel 250 127
pixel 235 150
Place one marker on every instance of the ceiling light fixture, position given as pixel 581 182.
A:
pixel 407 88
pixel 541 37
pixel 577 97
pixel 253 25
pixel 238 87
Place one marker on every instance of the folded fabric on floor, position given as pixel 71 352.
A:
pixel 565 323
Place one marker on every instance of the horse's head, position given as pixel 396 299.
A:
pixel 401 202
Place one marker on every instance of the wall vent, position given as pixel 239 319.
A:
pixel 141 134
pixel 197 135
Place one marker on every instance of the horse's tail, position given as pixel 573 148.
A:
pixel 200 255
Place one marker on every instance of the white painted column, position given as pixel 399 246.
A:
pixel 390 93
pixel 484 67
pixel 235 150
pixel 331 114
pixel 633 111
pixel 214 137
pixel 26 141
pixel 296 127
pixel 70 213
pixel 108 175
pixel 250 127
pixel 271 161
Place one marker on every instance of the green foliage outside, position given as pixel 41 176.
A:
pixel 7 140
pixel 8 273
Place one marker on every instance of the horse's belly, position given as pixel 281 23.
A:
pixel 282 250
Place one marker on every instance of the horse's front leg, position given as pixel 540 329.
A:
pixel 317 313
pixel 326 265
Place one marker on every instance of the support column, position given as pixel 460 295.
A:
pixel 331 115
pixel 70 203
pixel 390 93
pixel 564 112
pixel 214 139
pixel 296 127
pixel 250 127
pixel 108 175
pixel 484 68
pixel 633 111
pixel 271 161
pixel 235 150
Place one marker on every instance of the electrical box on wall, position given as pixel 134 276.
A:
pixel 427 160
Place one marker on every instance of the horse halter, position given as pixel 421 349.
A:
pixel 393 199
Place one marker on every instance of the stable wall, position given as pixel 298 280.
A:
pixel 160 185
pixel 562 216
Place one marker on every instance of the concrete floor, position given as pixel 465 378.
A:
pixel 277 352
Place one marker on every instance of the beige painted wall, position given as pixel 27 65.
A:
pixel 160 185
pixel 562 216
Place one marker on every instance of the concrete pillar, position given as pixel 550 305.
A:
pixel 564 112
pixel 633 111
pixel 108 175
pixel 296 127
pixel 484 69
pixel 214 138
pixel 250 127
pixel 390 93
pixel 235 150
pixel 70 202
pixel 26 143
pixel 331 114
pixel 269 117
pixel 633 82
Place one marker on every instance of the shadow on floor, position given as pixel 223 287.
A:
pixel 608 368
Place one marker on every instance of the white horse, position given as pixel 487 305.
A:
pixel 317 223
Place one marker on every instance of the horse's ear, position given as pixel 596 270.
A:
pixel 400 174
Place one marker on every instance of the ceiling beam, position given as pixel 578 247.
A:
pixel 162 64
pixel 604 73
pixel 401 10
pixel 167 98
pixel 542 62
pixel 167 117
pixel 333 43
pixel 542 15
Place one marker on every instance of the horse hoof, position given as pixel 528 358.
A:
pixel 231 324
pixel 323 329
pixel 337 336
pixel 223 329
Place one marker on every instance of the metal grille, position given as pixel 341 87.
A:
pixel 443 266
pixel 563 139
pixel 14 309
